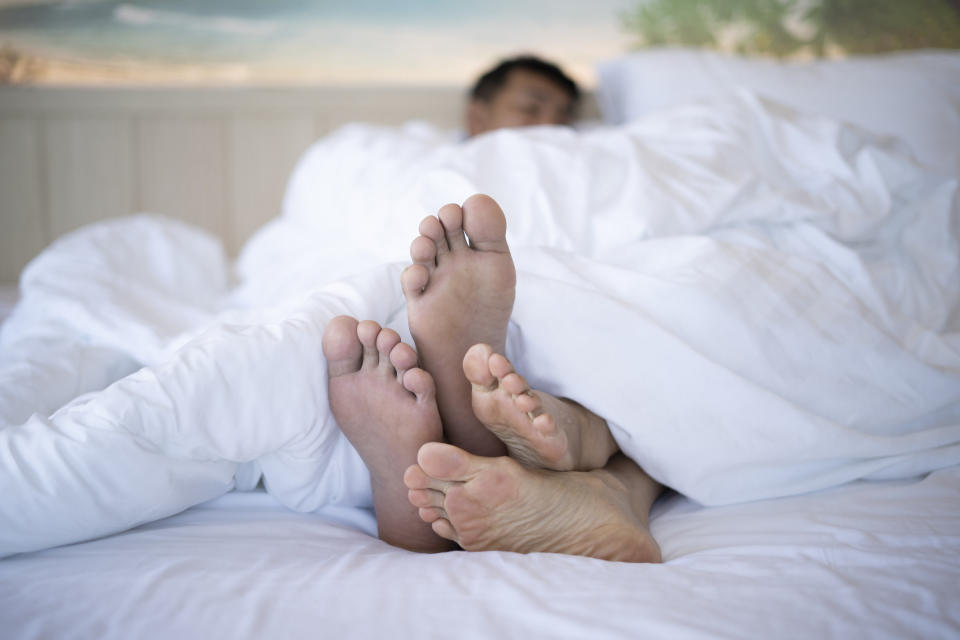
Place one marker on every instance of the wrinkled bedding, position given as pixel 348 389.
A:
pixel 866 560
pixel 761 304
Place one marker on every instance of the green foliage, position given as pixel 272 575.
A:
pixel 785 27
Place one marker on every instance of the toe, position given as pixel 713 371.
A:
pixel 515 384
pixel 367 332
pixel 341 347
pixel 485 224
pixel 476 367
pixel 500 366
pixel 451 216
pixel 420 383
pixel 546 425
pixel 444 529
pixel 423 251
pixel 403 357
pixel 526 402
pixel 432 229
pixel 413 280
pixel 387 340
pixel 425 498
pixel 429 514
pixel 445 462
pixel 414 478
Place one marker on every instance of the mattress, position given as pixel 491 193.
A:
pixel 870 560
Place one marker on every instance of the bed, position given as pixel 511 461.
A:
pixel 791 284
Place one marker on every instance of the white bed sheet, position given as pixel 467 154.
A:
pixel 868 560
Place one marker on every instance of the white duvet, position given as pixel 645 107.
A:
pixel 760 303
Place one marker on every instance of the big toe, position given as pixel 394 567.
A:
pixel 484 223
pixel 476 365
pixel 447 462
pixel 341 346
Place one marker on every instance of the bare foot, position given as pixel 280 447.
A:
pixel 459 294
pixel 496 504
pixel 387 409
pixel 540 430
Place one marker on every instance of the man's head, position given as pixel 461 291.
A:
pixel 520 92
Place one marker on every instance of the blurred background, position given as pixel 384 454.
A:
pixel 199 109
pixel 424 42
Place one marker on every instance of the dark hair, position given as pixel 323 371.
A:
pixel 493 80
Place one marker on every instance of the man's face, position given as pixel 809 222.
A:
pixel 525 99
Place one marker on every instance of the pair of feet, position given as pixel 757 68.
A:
pixel 557 491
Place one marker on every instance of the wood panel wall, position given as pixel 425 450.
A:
pixel 217 158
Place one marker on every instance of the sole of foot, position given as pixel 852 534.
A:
pixel 460 290
pixel 538 429
pixel 496 504
pixel 386 407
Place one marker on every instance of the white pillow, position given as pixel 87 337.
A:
pixel 913 96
